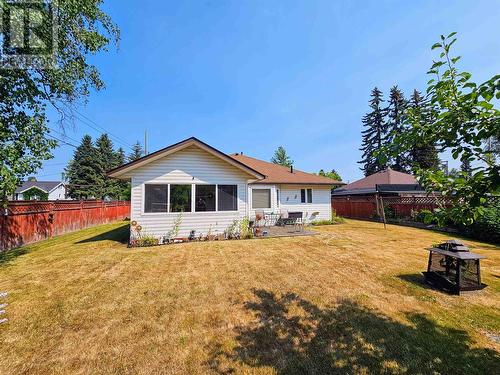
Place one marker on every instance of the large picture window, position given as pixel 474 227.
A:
pixel 155 198
pixel 227 197
pixel 261 198
pixel 205 198
pixel 180 198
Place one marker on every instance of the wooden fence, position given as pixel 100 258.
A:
pixel 400 207
pixel 28 221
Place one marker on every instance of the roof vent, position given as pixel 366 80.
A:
pixel 291 168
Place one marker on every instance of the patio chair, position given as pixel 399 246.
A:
pixel 295 219
pixel 312 218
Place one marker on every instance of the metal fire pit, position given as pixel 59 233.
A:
pixel 453 268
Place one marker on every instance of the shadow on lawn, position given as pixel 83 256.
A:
pixel 292 335
pixel 120 234
pixel 418 280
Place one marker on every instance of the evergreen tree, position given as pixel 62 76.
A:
pixel 466 167
pixel 82 171
pixel 107 159
pixel 396 125
pixel 422 155
pixel 122 190
pixel 137 152
pixel 374 134
pixel 281 157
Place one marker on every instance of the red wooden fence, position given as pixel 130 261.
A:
pixel 366 207
pixel 28 221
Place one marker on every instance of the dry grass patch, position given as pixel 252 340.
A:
pixel 349 300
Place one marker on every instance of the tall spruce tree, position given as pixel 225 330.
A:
pixel 82 171
pixel 466 167
pixel 422 155
pixel 137 152
pixel 281 157
pixel 396 125
pixel 122 188
pixel 106 156
pixel 374 135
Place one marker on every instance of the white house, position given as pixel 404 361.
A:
pixel 56 190
pixel 212 189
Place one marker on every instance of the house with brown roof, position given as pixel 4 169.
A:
pixel 387 183
pixel 210 189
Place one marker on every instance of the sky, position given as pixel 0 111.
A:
pixel 249 76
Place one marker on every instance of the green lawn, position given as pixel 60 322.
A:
pixel 348 300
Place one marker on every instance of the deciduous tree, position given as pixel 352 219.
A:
pixel 83 29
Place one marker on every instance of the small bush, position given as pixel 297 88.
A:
pixel 145 241
pixel 486 227
pixel 334 220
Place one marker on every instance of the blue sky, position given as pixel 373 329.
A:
pixel 253 75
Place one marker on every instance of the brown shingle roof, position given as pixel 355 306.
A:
pixel 277 174
pixel 387 176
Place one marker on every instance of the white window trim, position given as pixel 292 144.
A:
pixel 270 198
pixel 312 196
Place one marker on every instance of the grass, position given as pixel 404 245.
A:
pixel 349 300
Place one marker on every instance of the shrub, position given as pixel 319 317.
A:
pixel 486 227
pixel 334 220
pixel 245 230
pixel 145 241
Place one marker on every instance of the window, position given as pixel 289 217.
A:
pixel 227 197
pixel 309 195
pixel 180 198
pixel 261 198
pixel 205 198
pixel 155 198
pixel 306 195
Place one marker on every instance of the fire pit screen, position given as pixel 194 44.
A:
pixel 454 268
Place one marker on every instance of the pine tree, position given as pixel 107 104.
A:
pixel 106 157
pixel 82 171
pixel 374 134
pixel 281 157
pixel 424 156
pixel 396 125
pixel 137 152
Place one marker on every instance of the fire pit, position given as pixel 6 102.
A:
pixel 453 268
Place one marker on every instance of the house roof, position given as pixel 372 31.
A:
pixel 46 186
pixel 277 174
pixel 385 177
pixel 263 171
pixel 120 171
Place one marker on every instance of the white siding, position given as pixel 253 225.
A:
pixel 58 193
pixel 274 205
pixel 188 166
pixel 321 201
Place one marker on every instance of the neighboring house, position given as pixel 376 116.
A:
pixel 53 190
pixel 212 189
pixel 386 183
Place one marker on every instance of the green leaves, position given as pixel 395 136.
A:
pixel 24 142
pixel 463 120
